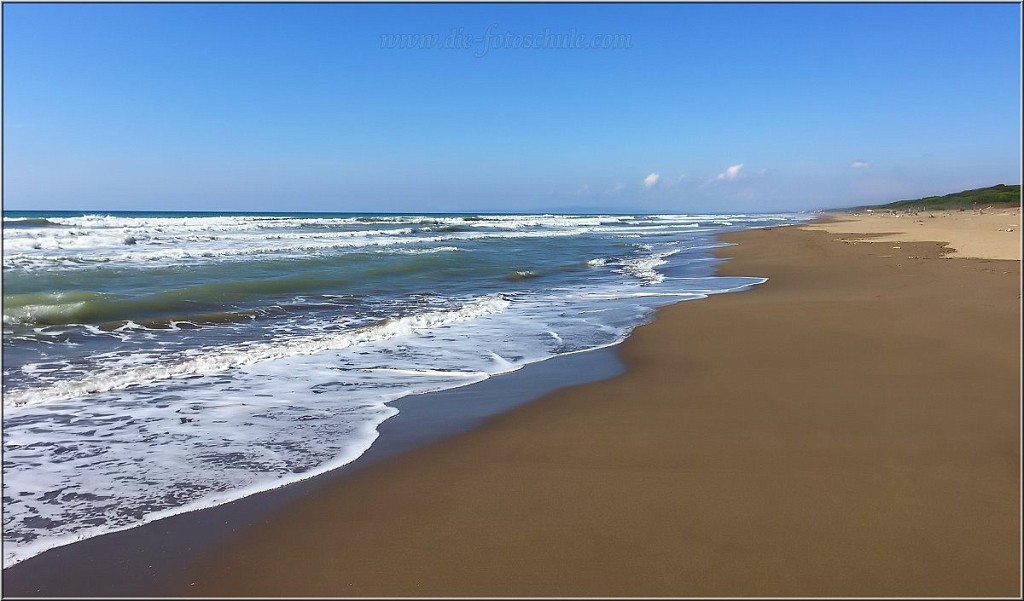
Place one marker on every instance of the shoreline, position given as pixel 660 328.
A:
pixel 121 563
pixel 546 499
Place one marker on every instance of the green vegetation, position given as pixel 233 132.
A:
pixel 1001 195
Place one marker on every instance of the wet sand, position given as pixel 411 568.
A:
pixel 849 428
pixel 153 559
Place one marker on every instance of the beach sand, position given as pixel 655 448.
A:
pixel 988 233
pixel 849 428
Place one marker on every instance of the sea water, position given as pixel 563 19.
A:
pixel 155 363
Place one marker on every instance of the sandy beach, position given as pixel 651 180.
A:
pixel 986 233
pixel 506 300
pixel 849 428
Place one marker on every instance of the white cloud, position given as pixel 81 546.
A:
pixel 651 180
pixel 618 187
pixel 730 173
pixel 860 164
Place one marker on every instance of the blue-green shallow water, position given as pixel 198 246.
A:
pixel 161 362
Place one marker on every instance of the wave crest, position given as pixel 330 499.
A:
pixel 227 357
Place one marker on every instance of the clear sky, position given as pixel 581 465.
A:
pixel 691 108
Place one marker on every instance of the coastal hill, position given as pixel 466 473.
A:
pixel 1001 195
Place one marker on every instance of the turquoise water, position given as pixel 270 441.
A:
pixel 161 362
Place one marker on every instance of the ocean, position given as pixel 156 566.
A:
pixel 157 363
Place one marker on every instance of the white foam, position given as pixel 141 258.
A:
pixel 227 357
pixel 645 268
pixel 355 446
pixel 138 447
pixel 161 242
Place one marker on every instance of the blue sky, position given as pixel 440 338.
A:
pixel 701 108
